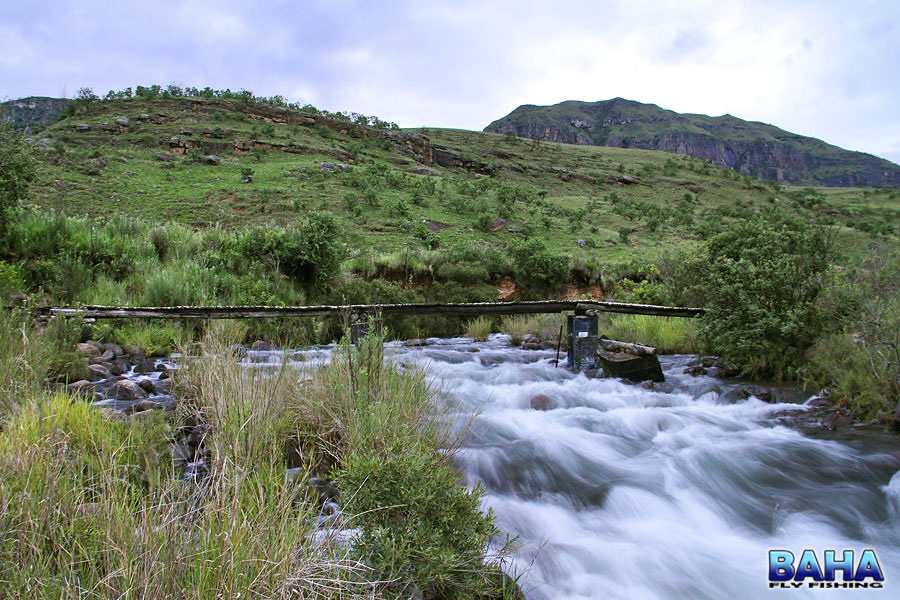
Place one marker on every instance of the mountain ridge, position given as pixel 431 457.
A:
pixel 752 148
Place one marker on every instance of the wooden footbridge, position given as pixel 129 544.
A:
pixel 356 311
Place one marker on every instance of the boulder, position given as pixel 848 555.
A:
pixel 147 385
pixel 106 357
pixel 760 392
pixel 122 121
pixel 629 366
pixel 211 159
pixel 541 402
pixel 145 405
pixel 98 372
pixel 262 346
pixel 87 350
pixel 125 389
pixel 115 349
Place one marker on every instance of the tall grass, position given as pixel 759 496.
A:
pixel 669 335
pixel 25 359
pixel 91 506
pixel 544 327
pixel 479 328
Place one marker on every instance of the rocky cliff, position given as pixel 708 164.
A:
pixel 28 113
pixel 751 148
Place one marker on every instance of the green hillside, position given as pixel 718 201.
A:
pixel 231 188
pixel 751 148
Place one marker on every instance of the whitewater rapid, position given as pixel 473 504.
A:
pixel 624 492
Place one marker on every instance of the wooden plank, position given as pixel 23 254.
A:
pixel 459 309
pixel 592 308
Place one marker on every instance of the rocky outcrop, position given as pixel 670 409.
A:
pixel 750 148
pixel 28 113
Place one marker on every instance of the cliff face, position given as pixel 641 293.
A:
pixel 27 113
pixel 751 148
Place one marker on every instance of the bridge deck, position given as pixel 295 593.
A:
pixel 462 309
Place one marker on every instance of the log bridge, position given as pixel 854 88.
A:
pixel 583 307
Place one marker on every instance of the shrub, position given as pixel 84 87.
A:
pixel 762 279
pixel 17 171
pixel 539 272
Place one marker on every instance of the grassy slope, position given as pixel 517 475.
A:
pixel 133 182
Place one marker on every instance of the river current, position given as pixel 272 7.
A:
pixel 617 491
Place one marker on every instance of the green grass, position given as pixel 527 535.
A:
pixel 479 328
pixel 669 335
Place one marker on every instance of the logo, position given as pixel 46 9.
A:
pixel 789 573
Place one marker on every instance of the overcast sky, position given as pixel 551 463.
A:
pixel 829 69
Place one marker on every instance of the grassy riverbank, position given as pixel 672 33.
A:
pixel 94 505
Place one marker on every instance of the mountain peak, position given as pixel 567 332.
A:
pixel 751 148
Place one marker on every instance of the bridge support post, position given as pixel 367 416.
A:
pixel 581 341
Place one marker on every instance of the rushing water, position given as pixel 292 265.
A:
pixel 618 491
pixel 623 492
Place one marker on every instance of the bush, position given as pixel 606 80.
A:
pixel 422 529
pixel 539 272
pixel 17 171
pixel 860 363
pixel 762 279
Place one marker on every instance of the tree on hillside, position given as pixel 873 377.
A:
pixel 17 171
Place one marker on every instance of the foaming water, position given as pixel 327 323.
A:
pixel 622 492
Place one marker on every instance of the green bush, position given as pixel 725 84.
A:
pixel 538 271
pixel 762 279
pixel 422 529
pixel 465 273
pixel 11 280
pixel 860 363
pixel 17 171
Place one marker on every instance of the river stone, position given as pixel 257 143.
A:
pixel 82 388
pixel 115 349
pixel 836 421
pixel 125 389
pixel 144 405
pixel 819 402
pixel 145 365
pixel 147 385
pixel 163 386
pixel 628 366
pixel 762 393
pixel 107 356
pixel 541 402
pixel 87 350
pixel 98 372
pixel 262 346
pixel 324 489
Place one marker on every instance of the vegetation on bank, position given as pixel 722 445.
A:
pixel 93 505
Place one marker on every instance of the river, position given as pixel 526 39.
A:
pixel 618 491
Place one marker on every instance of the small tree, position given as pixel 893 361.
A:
pixel 761 281
pixel 17 171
